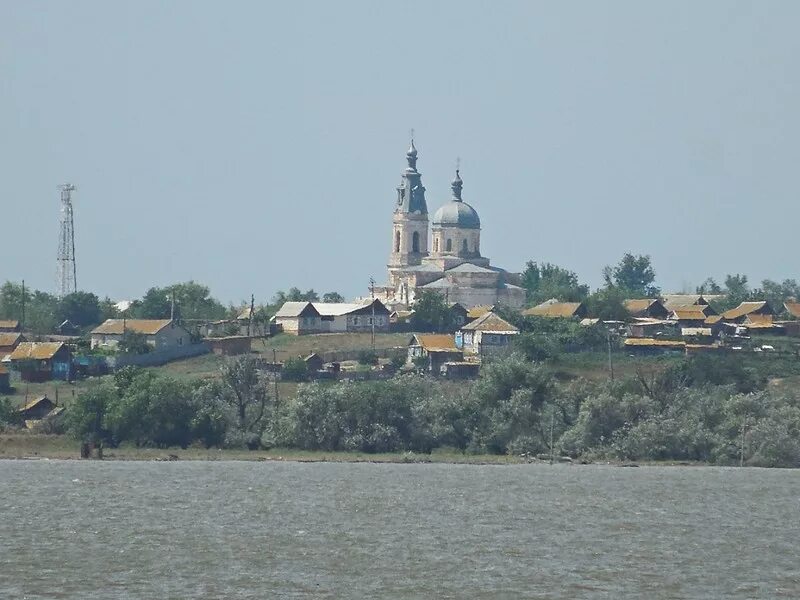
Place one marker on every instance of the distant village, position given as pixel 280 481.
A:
pixel 484 305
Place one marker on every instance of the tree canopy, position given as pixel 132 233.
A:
pixel 546 281
pixel 634 275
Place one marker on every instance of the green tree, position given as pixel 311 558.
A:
pixel 634 275
pixel 133 342
pixel 777 293
pixel 332 297
pixel 608 304
pixel 80 308
pixel 431 313
pixel 709 286
pixel 155 304
pixel 294 369
pixel 86 417
pixel 546 281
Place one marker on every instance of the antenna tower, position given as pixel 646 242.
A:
pixel 67 279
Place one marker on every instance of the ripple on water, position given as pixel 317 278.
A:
pixel 291 530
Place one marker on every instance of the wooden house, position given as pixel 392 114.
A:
pixel 650 308
pixel 557 310
pixel 42 361
pixel 434 350
pixel 486 335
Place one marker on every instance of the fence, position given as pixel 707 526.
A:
pixel 157 357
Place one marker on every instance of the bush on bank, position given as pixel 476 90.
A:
pixel 699 409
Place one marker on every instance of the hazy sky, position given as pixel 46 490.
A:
pixel 254 146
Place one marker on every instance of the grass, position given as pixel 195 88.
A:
pixel 26 445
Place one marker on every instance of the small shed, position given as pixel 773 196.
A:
pixel 229 346
pixel 37 408
pixel 314 362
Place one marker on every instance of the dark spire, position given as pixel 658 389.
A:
pixel 411 156
pixel 456 187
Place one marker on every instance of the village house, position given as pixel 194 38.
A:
pixel 160 334
pixel 9 342
pixel 486 335
pixel 650 346
pixel 674 301
pixel 760 324
pixel 792 309
pixel 559 310
pixel 9 326
pixel 434 350
pixel 693 315
pixel 741 312
pixel 301 318
pixel 651 308
pixel 41 361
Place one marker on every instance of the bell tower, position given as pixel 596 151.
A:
pixel 410 220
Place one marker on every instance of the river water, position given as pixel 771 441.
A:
pixel 291 530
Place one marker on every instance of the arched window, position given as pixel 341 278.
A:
pixel 415 242
pixel 464 248
pixel 397 241
pixel 449 246
pixel 436 244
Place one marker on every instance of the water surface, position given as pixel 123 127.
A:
pixel 73 529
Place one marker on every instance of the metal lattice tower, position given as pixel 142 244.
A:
pixel 67 278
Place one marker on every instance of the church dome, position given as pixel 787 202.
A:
pixel 457 213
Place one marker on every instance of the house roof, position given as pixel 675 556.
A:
pixel 746 308
pixel 33 403
pixel 554 309
pixel 479 311
pixel 713 319
pixel 36 350
pixel 294 309
pixel 338 309
pixel 673 301
pixel 119 326
pixel 694 312
pixel 8 324
pixel 793 308
pixel 650 342
pixel 434 342
pixel 10 339
pixel 637 306
pixel 490 322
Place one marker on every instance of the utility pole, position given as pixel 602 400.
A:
pixel 610 359
pixel 67 272
pixel 172 305
pixel 22 316
pixel 252 309
pixel 552 425
pixel 372 295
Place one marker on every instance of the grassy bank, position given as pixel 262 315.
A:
pixel 38 446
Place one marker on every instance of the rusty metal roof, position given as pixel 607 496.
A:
pixel 554 309
pixel 119 326
pixel 746 308
pixel 434 342
pixel 639 306
pixel 793 308
pixel 479 311
pixel 36 350
pixel 34 402
pixel 10 339
pixel 490 323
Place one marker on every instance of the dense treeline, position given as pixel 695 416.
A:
pixel 710 409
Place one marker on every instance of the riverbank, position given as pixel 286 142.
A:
pixel 38 446
pixel 25 446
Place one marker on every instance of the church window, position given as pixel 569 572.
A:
pixel 449 245
pixel 415 242
pixel 397 241
pixel 464 247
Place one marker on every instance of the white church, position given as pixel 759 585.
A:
pixel 448 259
